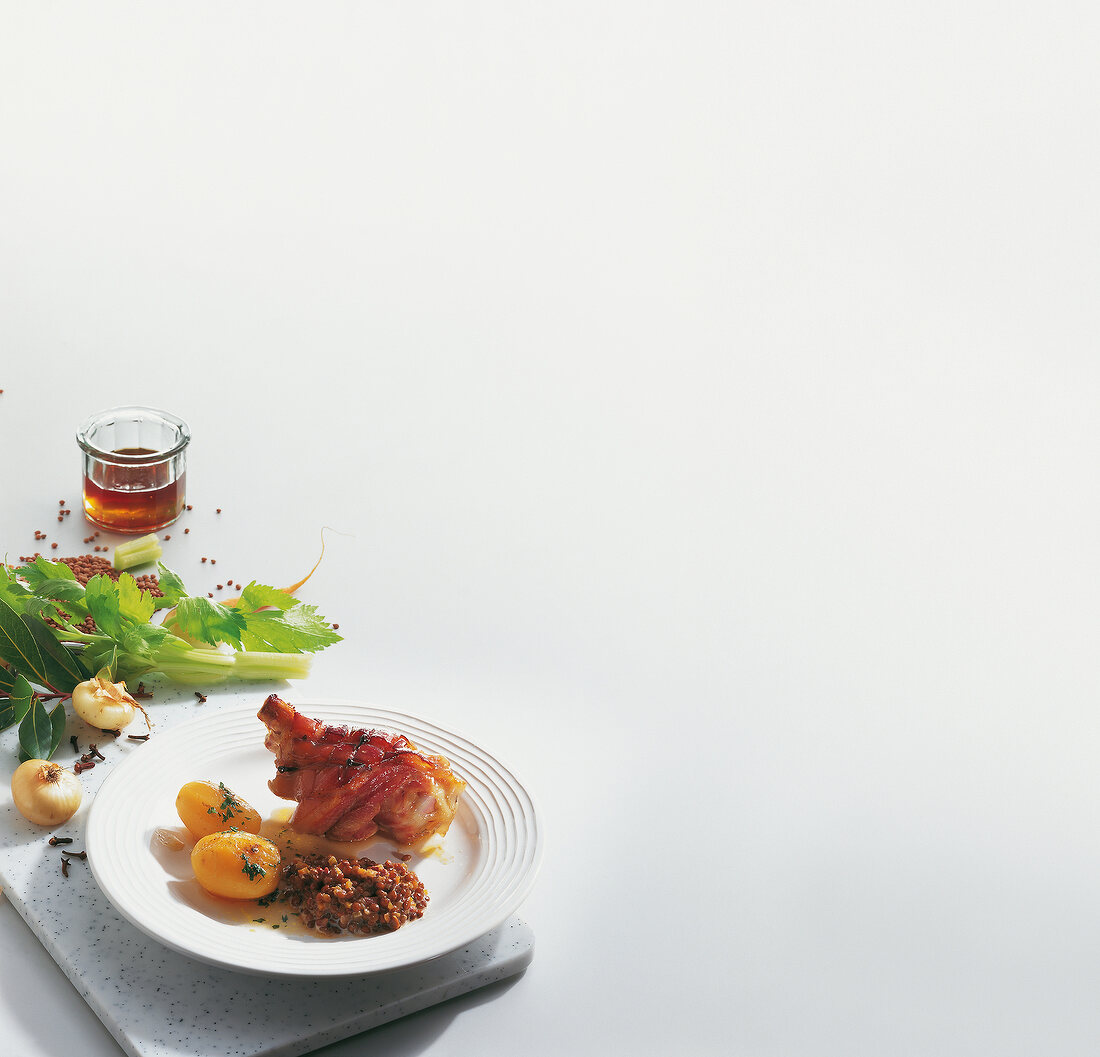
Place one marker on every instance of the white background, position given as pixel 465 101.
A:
pixel 708 393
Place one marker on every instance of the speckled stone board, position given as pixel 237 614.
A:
pixel 158 1003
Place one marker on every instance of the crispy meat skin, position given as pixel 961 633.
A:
pixel 352 784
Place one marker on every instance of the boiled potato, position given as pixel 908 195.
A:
pixel 236 864
pixel 205 808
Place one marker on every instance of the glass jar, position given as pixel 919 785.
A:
pixel 135 468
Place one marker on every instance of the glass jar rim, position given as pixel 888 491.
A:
pixel 134 412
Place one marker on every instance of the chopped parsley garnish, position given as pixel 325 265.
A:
pixel 229 805
pixel 252 869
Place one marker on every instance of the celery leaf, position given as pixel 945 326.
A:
pixel 171 587
pixel 133 602
pixel 259 596
pixel 61 590
pixel 299 629
pixel 209 621
pixel 42 569
pixel 101 598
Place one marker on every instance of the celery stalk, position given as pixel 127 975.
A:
pixel 193 666
pixel 137 552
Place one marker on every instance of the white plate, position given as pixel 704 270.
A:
pixel 479 874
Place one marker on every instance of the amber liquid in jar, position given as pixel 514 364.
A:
pixel 134 498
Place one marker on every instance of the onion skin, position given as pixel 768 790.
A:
pixel 104 704
pixel 45 793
